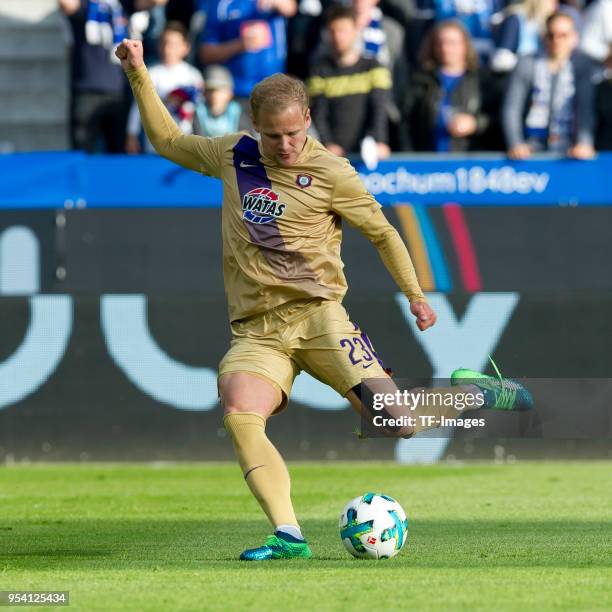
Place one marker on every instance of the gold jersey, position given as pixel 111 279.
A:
pixel 281 227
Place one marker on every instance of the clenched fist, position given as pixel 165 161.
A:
pixel 130 54
pixel 425 316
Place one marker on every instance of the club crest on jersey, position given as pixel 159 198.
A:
pixel 261 205
pixel 303 180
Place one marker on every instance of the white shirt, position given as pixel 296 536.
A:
pixel 597 30
pixel 165 79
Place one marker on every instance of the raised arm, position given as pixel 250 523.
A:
pixel 193 152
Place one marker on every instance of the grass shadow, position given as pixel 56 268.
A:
pixel 154 544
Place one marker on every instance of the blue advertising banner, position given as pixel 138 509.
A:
pixel 492 182
pixel 74 180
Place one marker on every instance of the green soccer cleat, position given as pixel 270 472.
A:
pixel 285 547
pixel 499 393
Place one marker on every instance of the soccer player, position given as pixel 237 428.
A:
pixel 284 197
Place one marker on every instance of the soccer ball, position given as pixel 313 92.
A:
pixel 373 526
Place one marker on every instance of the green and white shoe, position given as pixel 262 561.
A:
pixel 499 393
pixel 278 546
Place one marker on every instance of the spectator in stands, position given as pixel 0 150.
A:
pixel 520 32
pixel 379 36
pixel 349 91
pixel 249 37
pixel 219 114
pixel 549 101
pixel 603 106
pixel 443 107
pixel 177 83
pixel 597 30
pixel 98 102
pixel 476 15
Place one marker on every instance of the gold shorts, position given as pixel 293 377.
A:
pixel 314 335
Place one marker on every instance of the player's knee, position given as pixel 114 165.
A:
pixel 235 403
pixel 234 406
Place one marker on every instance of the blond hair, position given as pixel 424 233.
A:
pixel 276 93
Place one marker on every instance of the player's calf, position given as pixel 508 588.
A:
pixel 390 420
pixel 389 412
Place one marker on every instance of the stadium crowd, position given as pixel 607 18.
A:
pixel 383 75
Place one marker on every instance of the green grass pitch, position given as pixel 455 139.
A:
pixel 527 536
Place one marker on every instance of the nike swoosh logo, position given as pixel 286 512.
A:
pixel 365 367
pixel 244 165
pixel 253 468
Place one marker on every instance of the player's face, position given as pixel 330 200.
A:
pixel 283 134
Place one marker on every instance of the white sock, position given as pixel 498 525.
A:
pixel 292 530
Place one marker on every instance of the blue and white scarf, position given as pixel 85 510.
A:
pixel 550 120
pixel 374 38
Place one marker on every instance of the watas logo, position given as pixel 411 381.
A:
pixel 261 205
